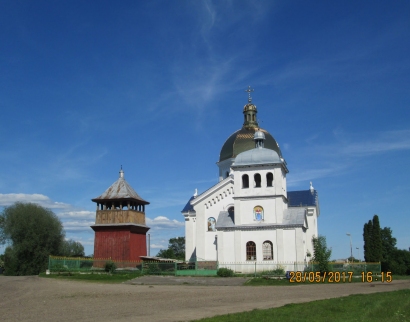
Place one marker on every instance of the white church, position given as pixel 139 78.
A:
pixel 249 216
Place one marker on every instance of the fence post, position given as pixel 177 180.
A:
pixel 175 268
pixel 255 268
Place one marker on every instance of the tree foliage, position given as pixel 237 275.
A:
pixel 71 248
pixel 176 249
pixel 321 254
pixel 34 233
pixel 367 233
pixel 372 237
pixel 377 250
pixel 380 246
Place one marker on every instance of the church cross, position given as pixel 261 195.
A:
pixel 249 90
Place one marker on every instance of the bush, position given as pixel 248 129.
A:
pixel 152 269
pixel 110 267
pixel 225 272
pixel 86 264
pixel 279 271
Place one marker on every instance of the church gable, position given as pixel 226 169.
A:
pixel 214 195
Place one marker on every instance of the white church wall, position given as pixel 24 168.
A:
pixel 227 249
pixel 289 241
pixel 225 168
pixel 190 237
pixel 313 230
pixel 246 210
pixel 263 190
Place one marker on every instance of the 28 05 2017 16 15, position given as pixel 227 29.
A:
pixel 337 277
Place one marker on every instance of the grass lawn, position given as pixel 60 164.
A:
pixel 384 306
pixel 94 277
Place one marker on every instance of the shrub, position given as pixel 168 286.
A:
pixel 153 269
pixel 279 271
pixel 110 267
pixel 225 272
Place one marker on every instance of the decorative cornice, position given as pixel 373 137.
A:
pixel 260 197
pixel 262 227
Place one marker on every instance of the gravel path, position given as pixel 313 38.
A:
pixel 30 298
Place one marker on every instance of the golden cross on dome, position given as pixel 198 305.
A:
pixel 249 90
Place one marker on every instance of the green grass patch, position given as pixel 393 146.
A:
pixel 384 306
pixel 94 277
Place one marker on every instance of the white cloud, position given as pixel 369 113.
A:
pixel 80 214
pixel 77 226
pixel 44 201
pixel 380 143
pixel 159 246
pixel 162 222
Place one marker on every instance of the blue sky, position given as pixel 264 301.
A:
pixel 158 86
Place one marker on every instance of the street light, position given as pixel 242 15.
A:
pixel 351 250
pixel 358 253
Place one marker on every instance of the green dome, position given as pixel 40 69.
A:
pixel 243 140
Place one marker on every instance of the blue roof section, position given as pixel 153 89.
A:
pixel 188 207
pixel 302 198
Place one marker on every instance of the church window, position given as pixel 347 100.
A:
pixel 211 224
pixel 258 213
pixel 231 213
pixel 257 178
pixel 250 251
pixel 269 179
pixel 245 181
pixel 267 248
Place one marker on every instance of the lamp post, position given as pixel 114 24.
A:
pixel 351 249
pixel 358 253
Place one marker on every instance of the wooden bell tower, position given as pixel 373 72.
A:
pixel 120 230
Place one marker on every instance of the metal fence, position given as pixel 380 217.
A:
pixel 58 264
pixel 202 267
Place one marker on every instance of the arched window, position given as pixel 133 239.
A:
pixel 269 179
pixel 245 181
pixel 267 249
pixel 211 224
pixel 231 213
pixel 257 178
pixel 250 251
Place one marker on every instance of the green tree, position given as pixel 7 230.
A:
pixel 71 248
pixel 388 248
pixel 34 233
pixel 321 254
pixel 176 249
pixel 367 233
pixel 372 237
pixel 377 248
pixel 399 262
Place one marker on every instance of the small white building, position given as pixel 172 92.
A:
pixel 249 216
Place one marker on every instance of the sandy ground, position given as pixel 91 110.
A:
pixel 31 298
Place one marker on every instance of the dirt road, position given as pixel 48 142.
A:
pixel 31 298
